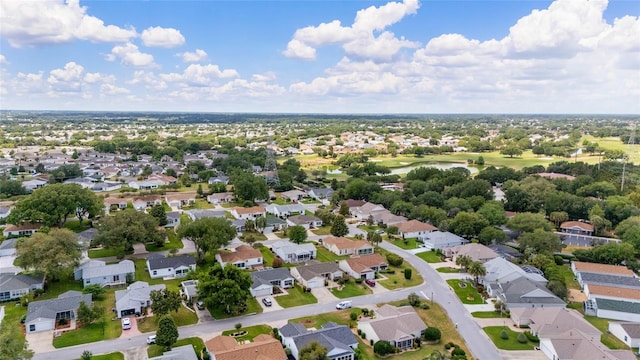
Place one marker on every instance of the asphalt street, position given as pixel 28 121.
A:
pixel 434 288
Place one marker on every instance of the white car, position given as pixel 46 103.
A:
pixel 343 305
pixel 126 324
pixel 151 339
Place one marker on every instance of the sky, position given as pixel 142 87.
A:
pixel 306 56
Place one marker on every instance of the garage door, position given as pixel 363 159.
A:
pixel 261 291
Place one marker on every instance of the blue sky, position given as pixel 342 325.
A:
pixel 563 56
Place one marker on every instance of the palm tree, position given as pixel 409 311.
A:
pixel 477 269
pixel 464 261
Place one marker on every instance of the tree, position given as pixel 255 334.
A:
pixel 208 234
pixel 226 288
pixel 394 259
pixel 468 225
pixel 260 223
pixel 87 315
pixel 558 217
pixel 383 348
pixel 540 241
pixel 464 261
pixel 511 151
pixel 432 334
pixel 490 235
pixel 86 355
pixel 164 301
pixel 297 234
pixel 95 290
pixel 558 288
pixel 374 238
pixel 53 204
pixel 12 343
pixel 494 213
pixel 528 222
pixel 414 299
pixel 339 227
pixel 126 228
pixel 477 269
pixel 55 254
pixel 167 333
pixel 313 351
pixel 407 273
pixel 248 187
pixel 158 212
pixel 9 188
pixel 344 209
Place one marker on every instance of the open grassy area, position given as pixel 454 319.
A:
pixel 196 342
pixel 322 231
pixel 397 280
pixel 54 288
pixel 429 256
pixel 614 143
pixel 351 289
pixel 467 294
pixel 324 255
pixel 406 244
pixel 110 356
pixel 569 277
pixel 104 252
pixel 252 308
pixel 507 344
pixel 448 270
pixel 296 297
pixel 267 255
pixel 103 328
pixel 252 332
pixel 173 242
pixel 182 317
pixel 488 314
pixel 317 320
pixel 143 275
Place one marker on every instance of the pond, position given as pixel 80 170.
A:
pixel 438 165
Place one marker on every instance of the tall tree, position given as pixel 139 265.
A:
pixel 167 333
pixel 468 225
pixel 490 235
pixel 540 241
pixel 477 269
pixel 248 187
pixel 164 301
pixel 86 314
pixel 297 234
pixel 558 217
pixel 464 261
pixel 528 222
pixel 126 228
pixel 224 288
pixel 261 223
pixel 339 227
pixel 12 343
pixel 313 351
pixel 158 212
pixel 55 254
pixel 208 234
pixel 493 211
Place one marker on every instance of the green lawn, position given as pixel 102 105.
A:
pixel 267 255
pixel 351 289
pixel 448 270
pixel 252 308
pixel 182 317
pixel 509 344
pixel 317 320
pixel 467 294
pixel 488 314
pixel 173 243
pixel 252 332
pixel 111 356
pixel 104 328
pixel 295 297
pixel 104 252
pixel 406 244
pixel 429 256
pixel 607 339
pixel 143 275
pixel 614 143
pixel 74 225
pixel 196 342
pixel 54 288
pixel 397 280
pixel 324 255
pixel 569 277
pixel 322 231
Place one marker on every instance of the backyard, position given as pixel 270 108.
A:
pixel 324 255
pixel 295 297
pixel 173 243
pixel 511 343
pixel 466 291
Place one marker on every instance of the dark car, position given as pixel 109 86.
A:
pixel 370 282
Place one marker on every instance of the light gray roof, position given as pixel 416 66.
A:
pixel 10 282
pixel 205 213
pixel 443 237
pixel 338 339
pixel 173 215
pixel 190 287
pixel 135 294
pixel 525 290
pixel 632 329
pixel 501 270
pixel 317 269
pixel 123 267
pixel 275 221
pixel 171 261
pixel 261 277
pixel 4 210
pixel 8 244
pixel 48 309
pixel 87 236
pixel 185 352
pixel 612 280
pixel 302 219
pixel 291 248
pixel 397 323
pixel 322 192
pixel 618 305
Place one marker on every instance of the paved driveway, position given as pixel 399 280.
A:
pixel 41 342
pixel 323 295
pixel 274 304
pixel 523 355
pixel 134 328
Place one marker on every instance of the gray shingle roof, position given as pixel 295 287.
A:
pixel 135 294
pixel 524 290
pixel 317 269
pixel 9 282
pixel 612 280
pixel 184 352
pixel 123 267
pixel 338 339
pixel 633 329
pixel 48 309
pixel 171 261
pixel 267 276
pixel 618 305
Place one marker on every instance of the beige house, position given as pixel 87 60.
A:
pixel 398 325
pixel 244 257
pixel 343 246
pixel 363 267
pixel 550 321
pixel 180 200
pixel 415 229
pixel 250 213
pixel 477 252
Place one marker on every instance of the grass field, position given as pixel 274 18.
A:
pixel 252 308
pixel 406 244
pixel 397 280
pixel 467 294
pixel 182 317
pixel 322 231
pixel 104 252
pixel 507 344
pixel 296 297
pixel 614 143
pixel 110 356
pixel 448 270
pixel 324 255
pixel 196 342
pixel 351 289
pixel 488 314
pixel 252 332
pixel 429 256
pixel 569 277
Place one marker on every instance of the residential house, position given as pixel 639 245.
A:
pixel 623 310
pixel 173 219
pixel 184 352
pixel 442 240
pixel 108 275
pixel 551 321
pixel 263 347
pixel 275 224
pixel 415 229
pixel 43 315
pixel 337 339
pixel 506 252
pixel 523 292
pixel 576 227
pixel 78 271
pixel 314 274
pixel 400 326
pixel 593 291
pixel 189 289
pixel 581 269
pixel 294 253
pixel 146 184
pixel 363 267
pixel 244 257
pixel 321 193
pixel 34 184
pixel 113 203
pixel 574 344
pixel 475 251
pixel 135 298
pixel 86 237
pixel 84 182
pixel 147 201
pixel 218 180
pixel 250 213
pixel 13 287
pixel 180 199
pixel 263 281
pixel 387 218
pixel 627 332
pixel 239 225
pixel 165 179
pixel 343 246
pixel 284 211
pixel 365 210
pixel 585 278
pixel 106 186
pixel 205 213
pixel 220 198
pixel 8 247
pixel 171 267
pixel 293 195
pixel 24 229
pixel 500 270
pixel 306 221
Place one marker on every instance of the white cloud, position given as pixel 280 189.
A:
pixel 200 75
pixel 3 60
pixel 55 22
pixel 109 89
pixel 162 37
pixel 360 38
pixel 148 79
pixel 265 77
pixel 92 78
pixel 130 55
pixel 196 56
pixel 68 79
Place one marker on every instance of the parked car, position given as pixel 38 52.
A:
pixel 379 231
pixel 343 305
pixel 126 324
pixel 267 301
pixel 370 282
pixel 151 339
pixel 200 305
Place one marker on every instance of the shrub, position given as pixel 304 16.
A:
pixel 354 316
pixel 424 306
pixel 504 335
pixel 390 271
pixel 394 260
pixel 277 262
pixel 432 334
pixel 359 332
pixel 558 259
pixel 363 335
pixel 531 337
pixel 238 326
pixel 371 342
pixel 522 338
pixel 447 346
pixel 457 351
pixel 205 355
pixel 383 347
pixel 407 274
pixel 358 281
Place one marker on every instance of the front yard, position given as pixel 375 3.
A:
pixel 429 256
pixel 251 332
pixel 322 231
pixel 511 343
pixel 252 308
pixel 351 289
pixel 466 292
pixel 324 255
pixel 406 244
pixel 182 317
pixel 196 342
pixel 295 297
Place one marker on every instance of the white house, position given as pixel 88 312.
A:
pixel 415 229
pixel 294 253
pixel 398 325
pixel 284 210
pixel 108 275
pixel 305 221
pixel 24 229
pixel 314 274
pixel 343 246
pixel 15 286
pixel 363 267
pixel 135 298
pixel 220 198
pixel 146 184
pixel 627 332
pixel 173 219
pixel 171 267
pixel 31 185
pixel 244 257
pixel 42 315
pixel 442 239
pixel 337 339
pixel 250 213
pixel 574 344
